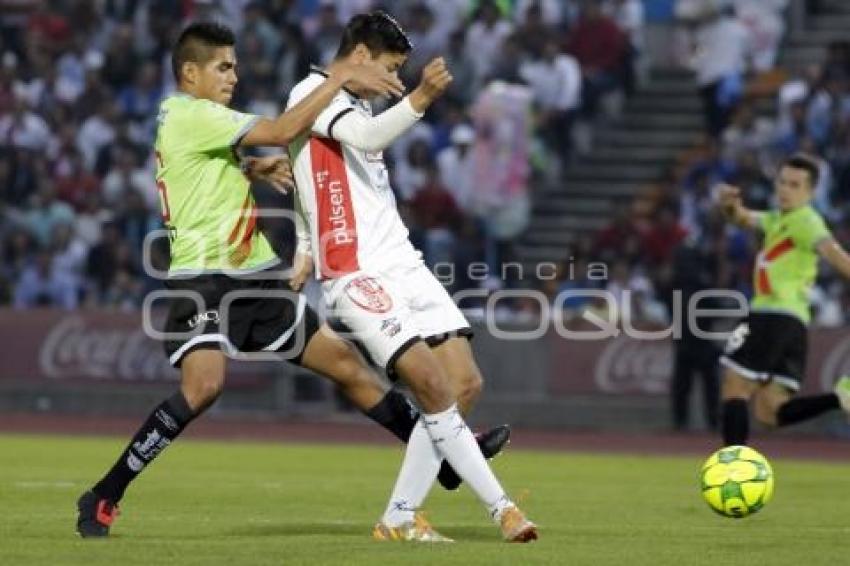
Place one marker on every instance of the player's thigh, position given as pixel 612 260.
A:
pixel 419 368
pixel 330 356
pixel 376 314
pixel 768 399
pixel 738 386
pixel 202 377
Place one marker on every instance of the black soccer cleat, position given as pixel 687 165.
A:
pixel 490 442
pixel 96 515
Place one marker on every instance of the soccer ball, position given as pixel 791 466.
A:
pixel 736 481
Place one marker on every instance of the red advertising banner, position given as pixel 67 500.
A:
pixel 628 366
pixel 93 345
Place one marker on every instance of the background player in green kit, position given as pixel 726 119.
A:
pixel 765 355
pixel 225 298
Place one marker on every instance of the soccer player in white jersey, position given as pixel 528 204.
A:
pixel 376 284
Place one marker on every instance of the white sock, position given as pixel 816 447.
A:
pixel 418 472
pixel 455 442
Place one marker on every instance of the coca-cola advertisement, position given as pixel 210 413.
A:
pixel 92 345
pixel 627 365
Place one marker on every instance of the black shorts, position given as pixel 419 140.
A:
pixel 769 346
pixel 237 316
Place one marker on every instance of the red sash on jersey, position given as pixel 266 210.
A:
pixel 337 225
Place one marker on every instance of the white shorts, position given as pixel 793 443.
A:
pixel 389 311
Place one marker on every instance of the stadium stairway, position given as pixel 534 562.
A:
pixel 659 122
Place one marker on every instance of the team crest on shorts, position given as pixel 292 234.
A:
pixel 368 294
pixel 391 327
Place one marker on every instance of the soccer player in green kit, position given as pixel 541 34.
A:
pixel 765 356
pixel 225 297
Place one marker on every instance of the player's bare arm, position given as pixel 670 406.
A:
pixel 730 202
pixel 286 127
pixel 835 255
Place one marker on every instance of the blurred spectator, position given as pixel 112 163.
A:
pixel 257 25
pixel 42 285
pixel 747 133
pixel 695 268
pixel 621 238
pixel 549 12
pixel 484 39
pixel 410 172
pixel 121 59
pixel 135 221
pixel 428 38
pixel 458 60
pixel 127 177
pixel 765 23
pixel 555 80
pixel 629 17
pixel 722 48
pixel 140 101
pixel 534 31
pixel 437 215
pixel 328 32
pixel 24 128
pixel 97 131
pixel 663 235
pixel 102 261
pixel 46 213
pixel 73 182
pixel 457 168
pixel 294 58
pixel 601 49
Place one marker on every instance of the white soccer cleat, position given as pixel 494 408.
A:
pixel 516 527
pixel 418 530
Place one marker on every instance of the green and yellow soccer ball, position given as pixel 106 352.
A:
pixel 736 481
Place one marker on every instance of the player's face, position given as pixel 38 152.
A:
pixel 217 77
pixel 793 188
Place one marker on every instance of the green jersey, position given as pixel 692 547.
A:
pixel 207 205
pixel 786 266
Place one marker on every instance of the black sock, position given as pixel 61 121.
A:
pixel 396 414
pixel 736 422
pixel 804 408
pixel 161 427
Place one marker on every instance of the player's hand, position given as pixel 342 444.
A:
pixel 302 269
pixel 729 198
pixel 275 170
pixel 373 78
pixel 436 78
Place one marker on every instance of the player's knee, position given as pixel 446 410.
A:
pixel 470 386
pixel 203 393
pixel 765 415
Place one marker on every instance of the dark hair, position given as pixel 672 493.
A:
pixel 377 31
pixel 196 43
pixel 807 163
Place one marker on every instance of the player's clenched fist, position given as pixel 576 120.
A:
pixel 435 80
pixel 729 198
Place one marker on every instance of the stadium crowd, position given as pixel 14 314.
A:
pixel 80 81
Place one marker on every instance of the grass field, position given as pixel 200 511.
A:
pixel 241 503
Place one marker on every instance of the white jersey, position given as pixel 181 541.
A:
pixel 345 195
